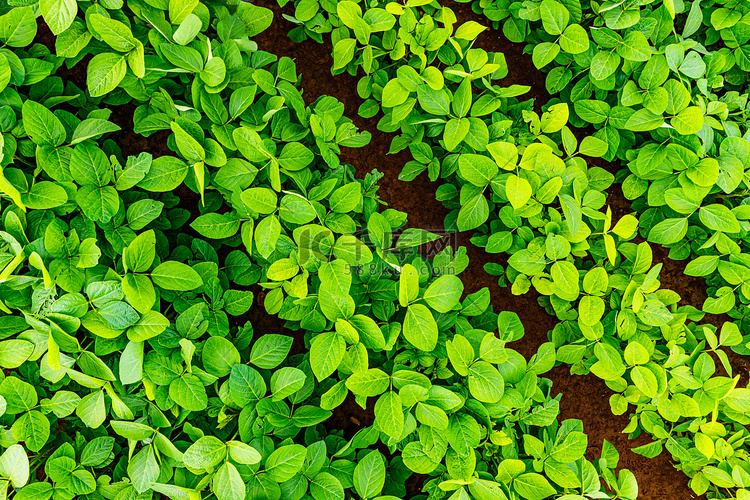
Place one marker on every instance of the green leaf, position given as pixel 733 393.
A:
pixel 206 453
pixel 104 73
pixel 188 146
pixel 571 449
pixel 408 288
pixel 326 352
pixel 58 14
pixel 518 190
pixel 270 350
pixel 216 226
pixel 140 254
pixel 188 29
pixel 246 385
pixel 574 39
pixel 19 396
pixel 635 47
pixel 668 231
pixel 35 491
pixel 186 58
pixel 227 483
pixel 346 198
pixel 533 486
pixel 114 33
pixel 261 200
pixel 118 315
pixel 477 169
pixel 434 102
pixel 285 462
pixel 214 72
pixel 593 146
pixel 473 213
pixel 554 17
pixel 256 18
pixel 544 53
pixel 243 453
pixel 394 93
pixel 173 275
pixel 389 415
pixel 33 428
pixel 644 120
pixel 13 353
pixel 41 125
pixel 74 39
pixel 444 293
pixel 180 9
pixel 131 363
pixel 654 313
pixel 645 380
pixel 719 218
pixel 97 451
pixel 455 131
pixel 62 404
pixel 266 235
pixel 91 410
pixel 485 382
pixel 188 392
pixel 420 328
pixel 143 469
pixel 141 213
pixel 140 293
pixel 369 383
pixel 219 355
pixel 14 465
pixel 688 121
pixel 565 278
pixel 325 486
pixel 286 381
pixel 369 475
pixel 343 52
pixel 18 27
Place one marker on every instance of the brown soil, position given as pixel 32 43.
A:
pixel 585 398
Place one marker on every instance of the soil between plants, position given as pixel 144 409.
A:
pixel 584 397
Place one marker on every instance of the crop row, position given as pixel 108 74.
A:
pixel 663 102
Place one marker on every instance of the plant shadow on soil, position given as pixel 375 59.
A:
pixel 584 397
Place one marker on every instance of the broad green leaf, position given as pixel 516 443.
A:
pixel 420 328
pixel 326 352
pixel 14 465
pixel 227 484
pixel 219 355
pixel 104 73
pixel 285 462
pixel 389 414
pixel 270 350
pixel 188 392
pixel 42 126
pixel 369 475
pixel 173 275
pixel 143 469
pixel 444 293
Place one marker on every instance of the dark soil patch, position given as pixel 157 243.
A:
pixel 350 417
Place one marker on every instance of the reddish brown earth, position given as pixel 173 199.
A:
pixel 585 398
